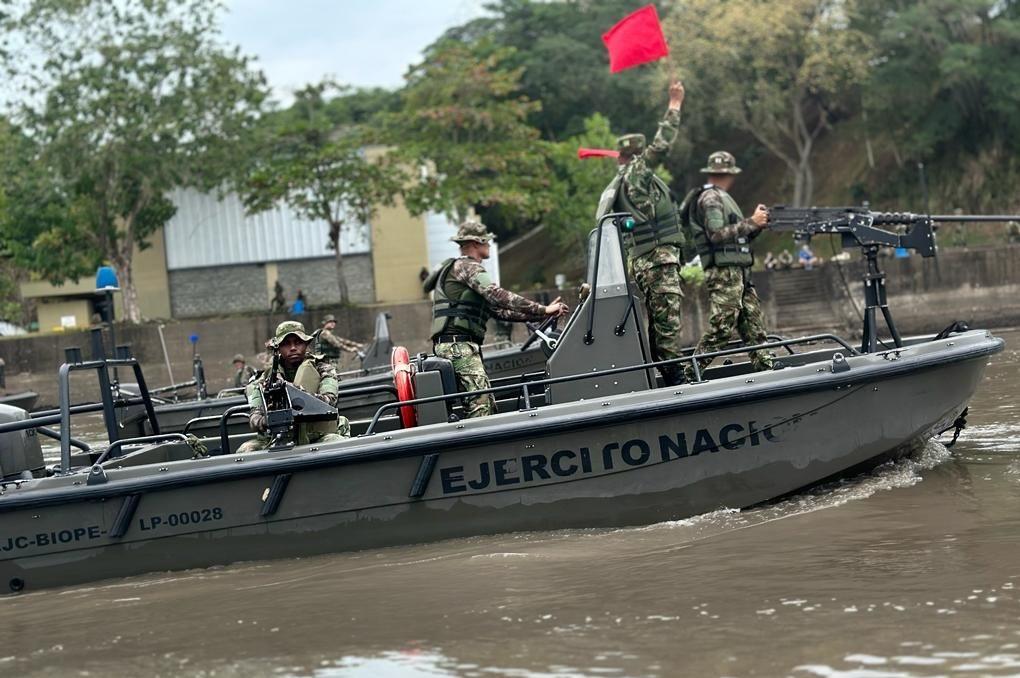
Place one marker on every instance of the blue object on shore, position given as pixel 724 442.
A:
pixel 902 253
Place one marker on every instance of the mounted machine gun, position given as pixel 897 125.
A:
pixel 287 407
pixel 860 227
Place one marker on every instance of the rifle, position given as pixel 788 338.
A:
pixel 279 416
pixel 860 227
pixel 287 406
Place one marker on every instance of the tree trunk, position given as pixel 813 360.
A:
pixel 128 291
pixel 341 279
pixel 121 261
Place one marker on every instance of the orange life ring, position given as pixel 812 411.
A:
pixel 400 361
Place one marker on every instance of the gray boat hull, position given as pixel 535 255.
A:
pixel 626 460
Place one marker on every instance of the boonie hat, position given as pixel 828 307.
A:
pixel 631 144
pixel 472 231
pixel 329 318
pixel 721 162
pixel 289 327
pixel 238 358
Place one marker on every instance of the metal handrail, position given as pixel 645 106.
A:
pixel 117 444
pixel 693 359
pixel 55 435
pixel 101 366
pixel 235 411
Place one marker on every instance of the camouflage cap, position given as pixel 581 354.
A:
pixel 472 231
pixel 631 144
pixel 238 358
pixel 329 318
pixel 721 162
pixel 289 327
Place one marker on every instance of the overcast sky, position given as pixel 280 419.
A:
pixel 364 43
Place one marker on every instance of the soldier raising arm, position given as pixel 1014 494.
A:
pixel 654 246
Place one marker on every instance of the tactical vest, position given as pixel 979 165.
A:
pixel 736 253
pixel 456 308
pixel 328 350
pixel 307 377
pixel 662 227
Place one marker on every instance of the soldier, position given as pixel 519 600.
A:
pixel 1013 232
pixel 465 297
pixel 331 346
pixel 305 370
pixel 655 246
pixel 722 236
pixel 243 372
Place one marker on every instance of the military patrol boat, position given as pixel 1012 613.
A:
pixel 367 388
pixel 593 442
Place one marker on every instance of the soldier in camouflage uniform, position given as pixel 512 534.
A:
pixel 243 372
pixel 723 236
pixel 655 245
pixel 305 370
pixel 331 346
pixel 464 297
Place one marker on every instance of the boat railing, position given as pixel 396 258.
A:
pixel 229 392
pixel 524 387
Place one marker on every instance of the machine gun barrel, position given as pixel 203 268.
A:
pixel 1000 218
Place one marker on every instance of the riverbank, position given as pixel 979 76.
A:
pixel 980 286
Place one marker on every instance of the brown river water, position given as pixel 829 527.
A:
pixel 910 570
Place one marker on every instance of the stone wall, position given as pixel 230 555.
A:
pixel 225 290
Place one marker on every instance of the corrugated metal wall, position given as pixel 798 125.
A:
pixel 207 231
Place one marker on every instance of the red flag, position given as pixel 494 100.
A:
pixel 636 39
pixel 583 153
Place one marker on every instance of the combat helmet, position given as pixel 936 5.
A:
pixel 238 358
pixel 631 144
pixel 472 230
pixel 721 162
pixel 289 327
pixel 328 318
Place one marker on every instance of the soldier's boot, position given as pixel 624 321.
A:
pixel 672 375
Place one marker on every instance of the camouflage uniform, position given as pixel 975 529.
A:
pixel 331 346
pixel 244 374
pixel 327 391
pixel 723 236
pixel 465 296
pixel 656 259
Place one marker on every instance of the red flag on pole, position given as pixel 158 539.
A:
pixel 636 39
pixel 583 153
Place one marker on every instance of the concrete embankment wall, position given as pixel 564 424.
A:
pixel 979 286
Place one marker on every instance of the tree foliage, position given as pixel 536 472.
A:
pixel 945 89
pixel 133 99
pixel 578 183
pixel 311 159
pixel 464 121
pixel 783 72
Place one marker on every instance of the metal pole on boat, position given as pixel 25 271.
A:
pixel 166 356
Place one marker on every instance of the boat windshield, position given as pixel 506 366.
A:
pixel 611 271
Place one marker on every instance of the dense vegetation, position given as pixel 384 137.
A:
pixel 822 101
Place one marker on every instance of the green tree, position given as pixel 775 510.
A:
pixel 579 183
pixel 783 72
pixel 134 98
pixel 945 89
pixel 565 64
pixel 464 122
pixel 313 161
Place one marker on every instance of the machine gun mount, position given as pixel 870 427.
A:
pixel 860 227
